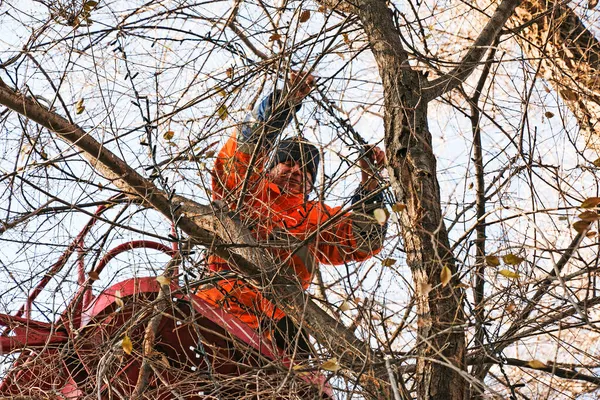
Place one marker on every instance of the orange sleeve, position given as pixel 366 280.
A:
pixel 353 237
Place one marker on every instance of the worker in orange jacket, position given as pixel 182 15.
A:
pixel 271 199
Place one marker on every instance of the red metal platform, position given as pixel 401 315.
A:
pixel 199 352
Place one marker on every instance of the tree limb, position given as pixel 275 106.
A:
pixel 477 50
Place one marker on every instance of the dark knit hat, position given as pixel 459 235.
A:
pixel 306 154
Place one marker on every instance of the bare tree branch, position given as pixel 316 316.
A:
pixel 472 59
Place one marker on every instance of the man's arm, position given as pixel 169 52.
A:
pixel 358 235
pixel 260 128
pixel 265 123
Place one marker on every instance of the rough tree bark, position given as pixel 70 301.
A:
pixel 568 54
pixel 412 166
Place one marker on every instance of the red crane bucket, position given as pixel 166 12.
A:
pixel 198 351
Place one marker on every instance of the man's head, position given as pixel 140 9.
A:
pixel 294 166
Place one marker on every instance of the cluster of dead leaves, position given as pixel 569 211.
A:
pixel 508 259
pixel 587 217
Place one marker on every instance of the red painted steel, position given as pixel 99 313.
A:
pixel 65 357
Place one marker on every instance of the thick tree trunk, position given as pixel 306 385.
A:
pixel 412 165
pixel 441 321
pixel 568 54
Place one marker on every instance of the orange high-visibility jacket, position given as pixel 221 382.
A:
pixel 302 232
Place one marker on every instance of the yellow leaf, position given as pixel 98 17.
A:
pixel 388 262
pixel 301 370
pixel 536 364
pixel 549 114
pixel 581 226
pixel 163 280
pixel 597 163
pixel 462 286
pixel 509 274
pixel 79 107
pixel 511 259
pixel 590 202
pixel 511 307
pixel 345 306
pixel 220 91
pixel 398 207
pixel 118 299
pixel 331 365
pixel 93 275
pixel 346 38
pixel 168 135
pixel 591 234
pixel 229 72
pixel 589 216
pixel 380 215
pixel 222 112
pixel 304 16
pixel 445 275
pixel 127 345
pixel 274 37
pixel 492 261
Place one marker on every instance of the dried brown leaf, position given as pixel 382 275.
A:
pixel 388 262
pixel 398 207
pixel 492 261
pixel 168 135
pixel 581 226
pixel 589 216
pixel 223 112
pixel 590 202
pixel 304 16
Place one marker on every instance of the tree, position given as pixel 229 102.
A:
pixel 144 92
